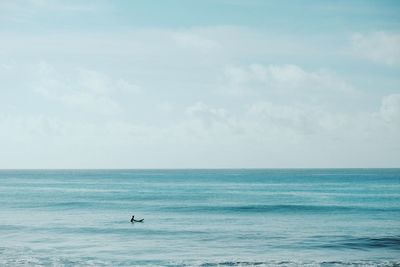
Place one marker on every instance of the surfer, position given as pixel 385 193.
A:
pixel 133 219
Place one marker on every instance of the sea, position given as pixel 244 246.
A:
pixel 224 217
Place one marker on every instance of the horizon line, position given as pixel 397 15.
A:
pixel 234 168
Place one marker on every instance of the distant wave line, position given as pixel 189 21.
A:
pixel 276 208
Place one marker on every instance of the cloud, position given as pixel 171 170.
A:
pixel 380 47
pixel 267 135
pixel 390 109
pixel 283 78
pixel 287 115
pixel 94 82
pixel 189 39
pixel 304 120
pixel 20 11
pixel 207 113
pixel 86 89
pixel 55 5
pixel 204 118
pixel 301 119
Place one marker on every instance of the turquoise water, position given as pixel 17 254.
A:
pixel 316 217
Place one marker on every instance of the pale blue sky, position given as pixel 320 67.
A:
pixel 199 84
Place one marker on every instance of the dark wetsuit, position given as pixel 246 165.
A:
pixel 133 220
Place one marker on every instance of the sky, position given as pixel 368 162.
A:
pixel 199 84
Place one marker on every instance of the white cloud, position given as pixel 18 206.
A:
pixel 189 39
pixel 299 120
pixel 204 118
pixel 290 115
pixel 303 119
pixel 125 86
pixel 94 82
pixel 202 110
pixel 270 135
pixel 380 47
pixel 26 11
pixel 284 78
pixel 87 89
pixel 59 5
pixel 390 109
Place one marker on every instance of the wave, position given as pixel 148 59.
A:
pixel 299 263
pixel 157 206
pixel 72 204
pixel 363 243
pixel 296 263
pixel 32 260
pixel 285 208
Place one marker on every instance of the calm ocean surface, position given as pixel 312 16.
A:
pixel 315 217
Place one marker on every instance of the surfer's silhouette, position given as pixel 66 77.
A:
pixel 133 219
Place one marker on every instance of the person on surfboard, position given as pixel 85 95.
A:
pixel 133 219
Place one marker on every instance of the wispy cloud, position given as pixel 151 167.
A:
pixel 188 39
pixel 287 78
pixel 63 5
pixel 30 11
pixel 390 109
pixel 86 89
pixel 380 47
pixel 229 90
